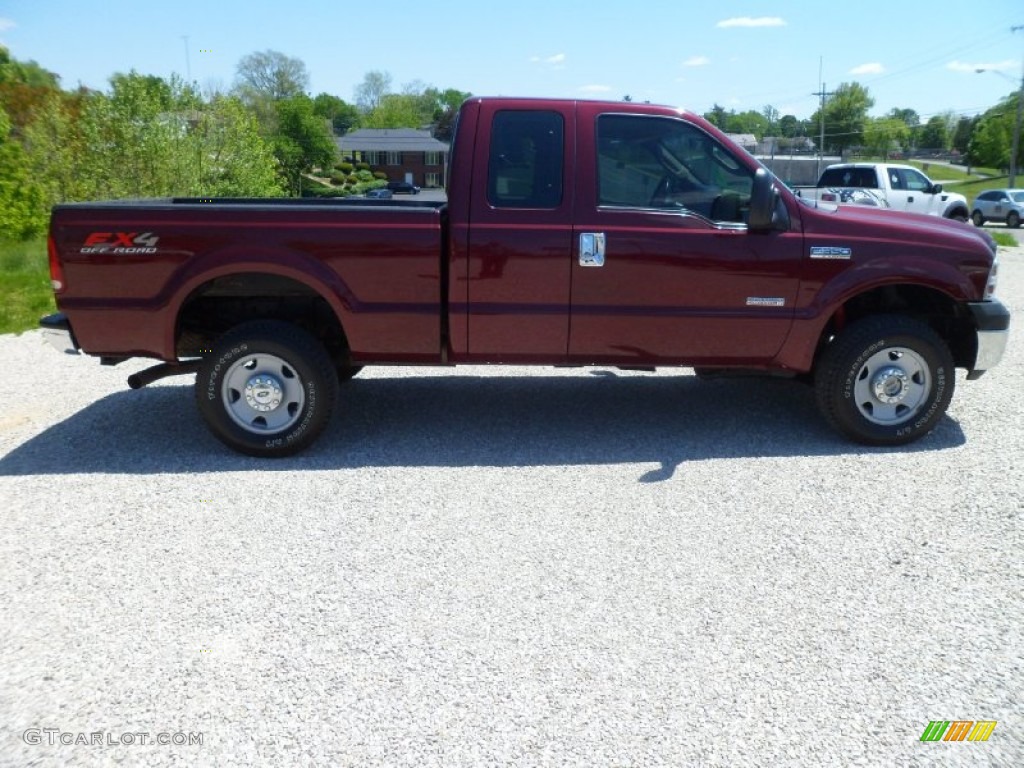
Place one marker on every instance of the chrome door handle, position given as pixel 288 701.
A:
pixel 592 249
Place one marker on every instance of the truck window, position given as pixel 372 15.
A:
pixel 849 177
pixel 914 181
pixel 653 162
pixel 526 160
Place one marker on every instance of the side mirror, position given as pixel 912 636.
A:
pixel 935 189
pixel 767 211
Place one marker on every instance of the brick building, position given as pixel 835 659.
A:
pixel 404 154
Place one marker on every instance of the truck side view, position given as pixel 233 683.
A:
pixel 902 187
pixel 575 233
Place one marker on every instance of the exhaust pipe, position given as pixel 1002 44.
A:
pixel 162 371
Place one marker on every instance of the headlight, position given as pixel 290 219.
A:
pixel 993 278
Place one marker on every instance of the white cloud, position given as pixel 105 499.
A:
pixel 595 89
pixel 558 58
pixel 6 24
pixel 963 66
pixel 697 61
pixel 871 68
pixel 747 21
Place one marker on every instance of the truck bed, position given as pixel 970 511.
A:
pixel 133 265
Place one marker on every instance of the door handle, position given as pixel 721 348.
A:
pixel 592 249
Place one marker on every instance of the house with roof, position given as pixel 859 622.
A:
pixel 402 154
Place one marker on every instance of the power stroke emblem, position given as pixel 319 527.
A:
pixel 120 242
pixel 830 252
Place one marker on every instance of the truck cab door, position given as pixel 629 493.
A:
pixel 915 190
pixel 519 242
pixel 665 270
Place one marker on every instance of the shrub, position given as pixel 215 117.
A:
pixel 380 175
pixel 362 166
pixel 344 167
pixel 338 177
pixel 364 175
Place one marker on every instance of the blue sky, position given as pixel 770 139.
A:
pixel 742 55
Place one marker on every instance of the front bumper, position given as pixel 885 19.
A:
pixel 992 320
pixel 57 331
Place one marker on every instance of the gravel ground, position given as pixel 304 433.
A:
pixel 507 566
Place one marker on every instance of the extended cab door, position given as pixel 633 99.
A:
pixel 665 270
pixel 520 232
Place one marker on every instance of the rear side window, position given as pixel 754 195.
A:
pixel 849 177
pixel 525 166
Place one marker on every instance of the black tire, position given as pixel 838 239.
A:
pixel 1013 219
pixel 267 389
pixel 959 215
pixel 977 218
pixel 885 380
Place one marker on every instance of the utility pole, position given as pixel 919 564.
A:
pixel 1016 130
pixel 821 119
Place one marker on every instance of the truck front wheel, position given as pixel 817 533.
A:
pixel 885 380
pixel 267 389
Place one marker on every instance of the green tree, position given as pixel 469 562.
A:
pixel 233 159
pixel 845 113
pixel 717 116
pixel 884 135
pixel 911 119
pixel 23 209
pixel 375 86
pixel 343 117
pixel 270 75
pixel 446 107
pixel 789 126
pixel 962 134
pixel 934 134
pixel 992 136
pixel 301 142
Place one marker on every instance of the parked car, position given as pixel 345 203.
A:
pixel 380 194
pixel 1006 205
pixel 904 188
pixel 403 188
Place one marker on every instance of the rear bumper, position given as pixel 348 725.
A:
pixel 992 320
pixel 57 331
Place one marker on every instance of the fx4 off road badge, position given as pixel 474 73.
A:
pixel 120 242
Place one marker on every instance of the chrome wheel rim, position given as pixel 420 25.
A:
pixel 892 386
pixel 263 393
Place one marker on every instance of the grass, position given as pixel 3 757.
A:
pixel 25 292
pixel 1003 239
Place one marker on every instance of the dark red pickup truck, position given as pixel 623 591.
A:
pixel 575 233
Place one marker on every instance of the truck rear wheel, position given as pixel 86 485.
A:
pixel 885 380
pixel 267 389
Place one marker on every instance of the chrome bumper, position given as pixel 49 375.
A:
pixel 57 331
pixel 993 322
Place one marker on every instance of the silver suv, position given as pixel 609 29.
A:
pixel 999 205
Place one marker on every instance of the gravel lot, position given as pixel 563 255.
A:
pixel 508 566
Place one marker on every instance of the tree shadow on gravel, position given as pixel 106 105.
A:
pixel 461 421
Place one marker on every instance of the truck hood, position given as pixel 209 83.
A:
pixel 875 244
pixel 916 231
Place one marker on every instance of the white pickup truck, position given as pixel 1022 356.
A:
pixel 903 187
